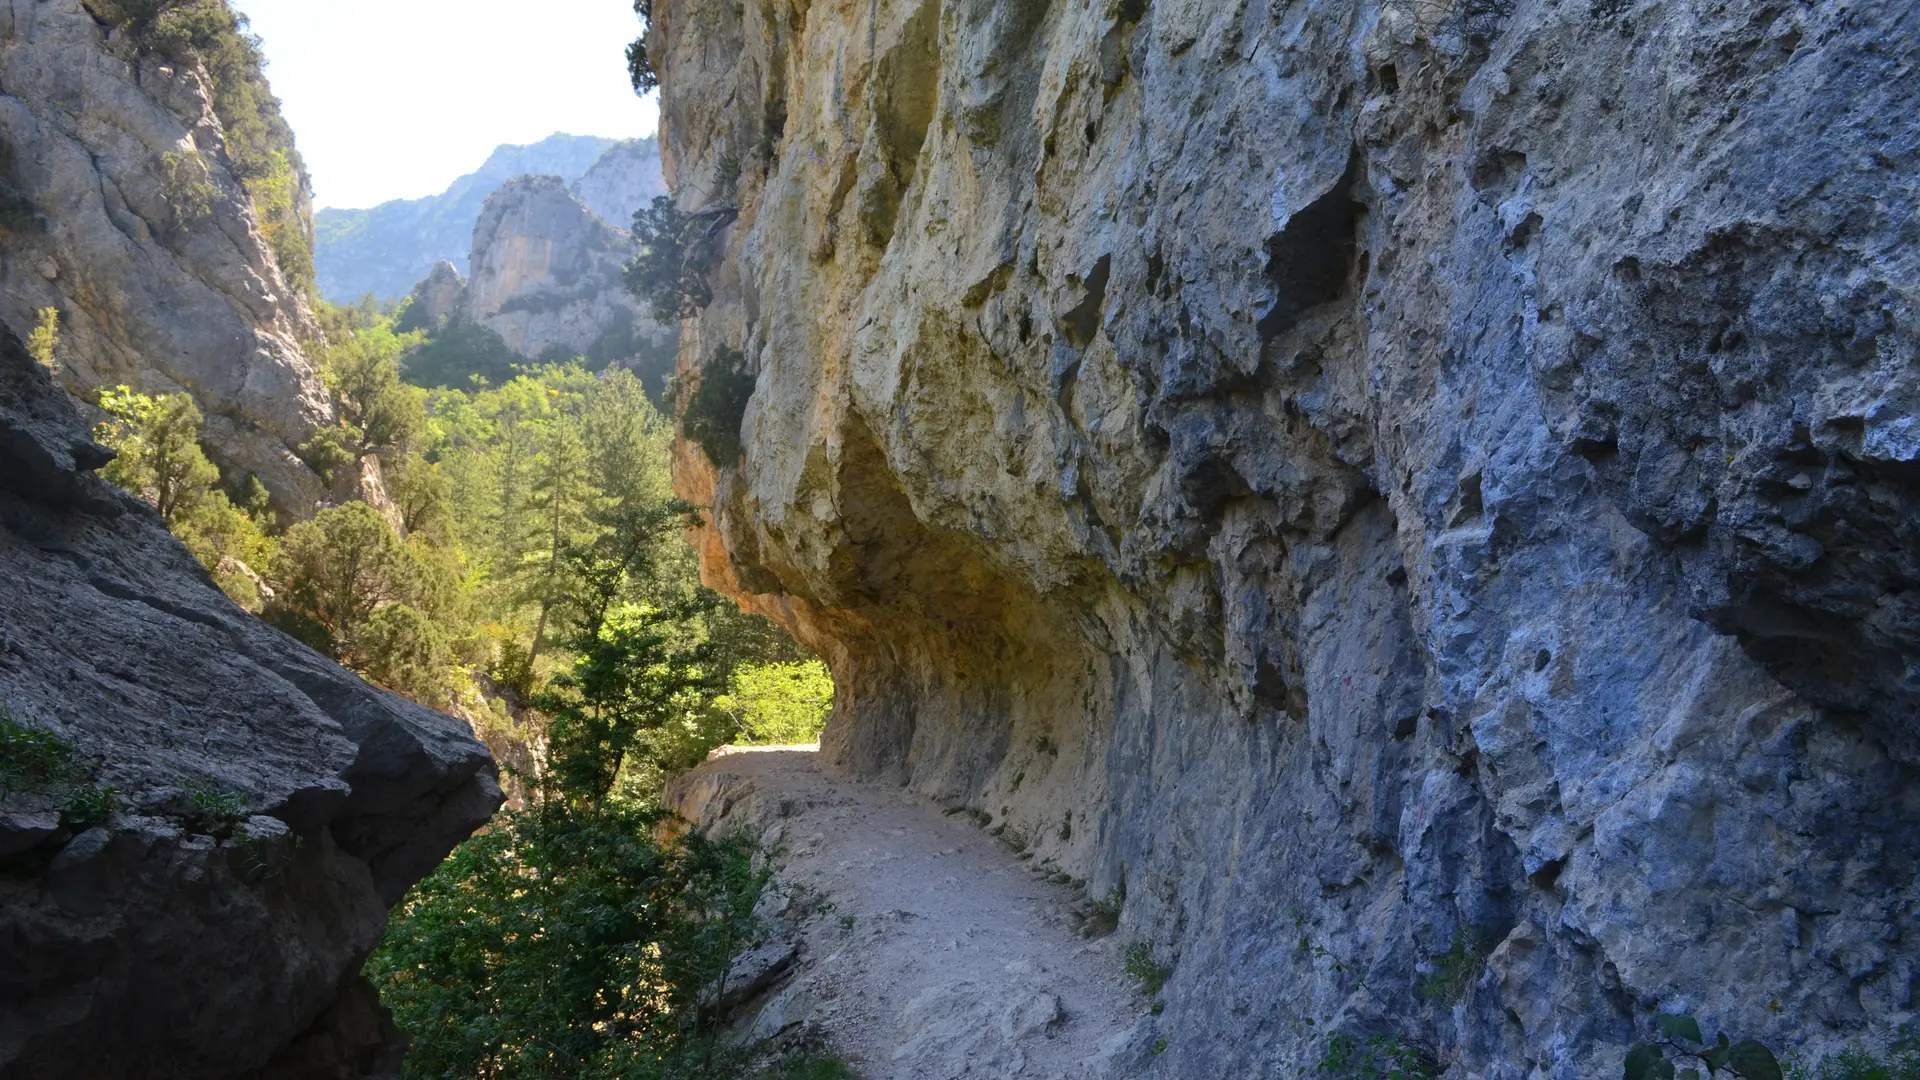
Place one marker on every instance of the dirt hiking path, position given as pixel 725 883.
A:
pixel 919 947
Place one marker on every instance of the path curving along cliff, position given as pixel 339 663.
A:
pixel 909 940
pixel 1427 491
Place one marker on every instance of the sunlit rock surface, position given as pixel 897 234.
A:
pixel 1364 478
pixel 547 277
pixel 151 292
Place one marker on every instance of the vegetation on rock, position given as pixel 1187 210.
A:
pixel 717 406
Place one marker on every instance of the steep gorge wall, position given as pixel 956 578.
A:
pixel 138 231
pixel 268 806
pixel 1359 476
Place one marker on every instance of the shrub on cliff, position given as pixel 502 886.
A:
pixel 717 407
pixel 677 252
pixel 259 140
pixel 157 440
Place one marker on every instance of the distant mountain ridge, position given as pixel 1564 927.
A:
pixel 388 248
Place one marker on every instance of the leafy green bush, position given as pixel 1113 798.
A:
pixel 780 704
pixel 1680 1035
pixel 717 407
pixel 1150 975
pixel 160 460
pixel 458 354
pixel 639 67
pixel 44 342
pixel 214 811
pixel 1377 1057
pixel 568 939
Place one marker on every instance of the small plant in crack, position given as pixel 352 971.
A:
pixel 1375 1057
pixel 1147 973
pixel 1456 971
pixel 214 812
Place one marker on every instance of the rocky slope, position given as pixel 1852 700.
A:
pixel 1421 496
pixel 125 214
pixel 385 249
pixel 267 806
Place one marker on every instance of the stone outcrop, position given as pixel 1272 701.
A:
pixel 1422 497
pixel 267 806
pixel 133 225
pixel 547 277
pixel 626 178
pixel 385 249
pixel 438 297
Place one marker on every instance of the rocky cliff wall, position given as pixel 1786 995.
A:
pixel 627 177
pixel 136 229
pixel 1376 482
pixel 267 806
pixel 385 249
pixel 547 277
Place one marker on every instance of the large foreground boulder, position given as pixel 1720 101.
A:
pixel 190 888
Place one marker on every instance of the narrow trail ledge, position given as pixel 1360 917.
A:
pixel 911 941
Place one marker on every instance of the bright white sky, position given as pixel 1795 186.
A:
pixel 394 99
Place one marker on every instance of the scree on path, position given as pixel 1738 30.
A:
pixel 910 941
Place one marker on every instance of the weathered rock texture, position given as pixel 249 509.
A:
pixel 385 249
pixel 1391 473
pixel 627 177
pixel 547 277
pixel 160 944
pixel 142 237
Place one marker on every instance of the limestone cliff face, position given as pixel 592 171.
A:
pixel 1361 476
pixel 627 177
pixel 547 277
pixel 384 249
pixel 270 805
pixel 142 237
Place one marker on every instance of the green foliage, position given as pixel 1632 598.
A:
pixel 1680 1036
pixel 808 1067
pixel 1456 972
pixel 185 180
pixel 158 442
pixel 1377 1057
pixel 42 764
pixel 780 704
pixel 45 339
pixel 460 353
pixel 33 762
pixel 215 812
pixel 566 940
pixel 259 143
pixel 381 415
pixel 717 407
pixel 1901 1061
pixel 160 460
pixel 1103 915
pixel 677 251
pixel 1150 975
pixel 639 67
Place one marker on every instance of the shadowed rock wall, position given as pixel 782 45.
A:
pixel 1363 477
pixel 271 806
